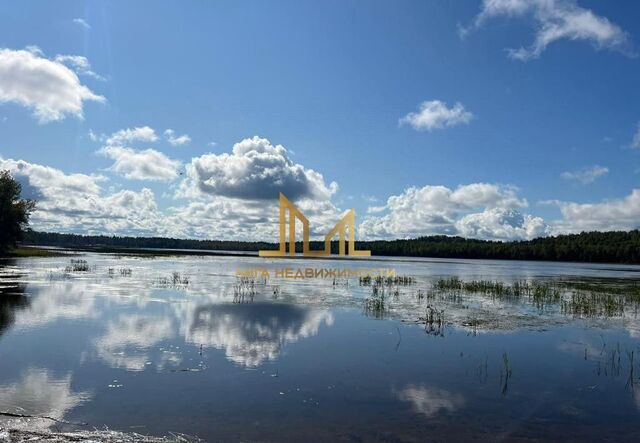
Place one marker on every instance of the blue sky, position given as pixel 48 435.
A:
pixel 542 140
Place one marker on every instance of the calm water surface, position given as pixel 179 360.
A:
pixel 302 360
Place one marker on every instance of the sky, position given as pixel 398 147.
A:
pixel 492 119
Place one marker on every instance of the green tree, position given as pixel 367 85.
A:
pixel 14 211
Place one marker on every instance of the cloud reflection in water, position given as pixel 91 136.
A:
pixel 254 333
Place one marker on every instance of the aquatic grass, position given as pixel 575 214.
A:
pixel 176 280
pixel 505 374
pixel 578 299
pixel 124 272
pixel 434 323
pixel 399 280
pixel 376 304
pixel 78 265
pixel 245 290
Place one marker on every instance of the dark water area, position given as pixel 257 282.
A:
pixel 122 343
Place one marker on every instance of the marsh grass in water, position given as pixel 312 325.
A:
pixel 124 272
pixel 245 290
pixel 78 265
pixel 434 323
pixel 399 280
pixel 579 299
pixel 376 304
pixel 175 281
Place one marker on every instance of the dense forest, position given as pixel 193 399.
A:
pixel 606 247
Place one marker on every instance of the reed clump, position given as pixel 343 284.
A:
pixel 245 290
pixel 434 323
pixel 399 280
pixel 376 304
pixel 78 265
pixel 175 280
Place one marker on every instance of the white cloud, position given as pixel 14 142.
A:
pixel 77 203
pixel 255 170
pixel 585 175
pixel 79 64
pixel 635 143
pixel 501 224
pixel 48 87
pixel 616 214
pixel 141 165
pixel 435 210
pixel 124 136
pixel 174 140
pixel 375 209
pixel 435 114
pixel 82 22
pixel 555 20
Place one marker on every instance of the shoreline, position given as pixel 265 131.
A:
pixel 34 251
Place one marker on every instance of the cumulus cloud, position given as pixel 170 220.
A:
pixel 555 20
pixel 47 86
pixel 79 64
pixel 501 224
pixel 435 114
pixel 255 170
pixel 432 210
pixel 175 140
pixel 148 164
pixel 616 214
pixel 128 135
pixel 241 219
pixel 77 202
pixel 585 175
pixel 82 22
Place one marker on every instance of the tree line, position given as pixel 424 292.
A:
pixel 605 247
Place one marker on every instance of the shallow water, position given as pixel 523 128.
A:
pixel 302 359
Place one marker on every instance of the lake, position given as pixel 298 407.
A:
pixel 459 350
